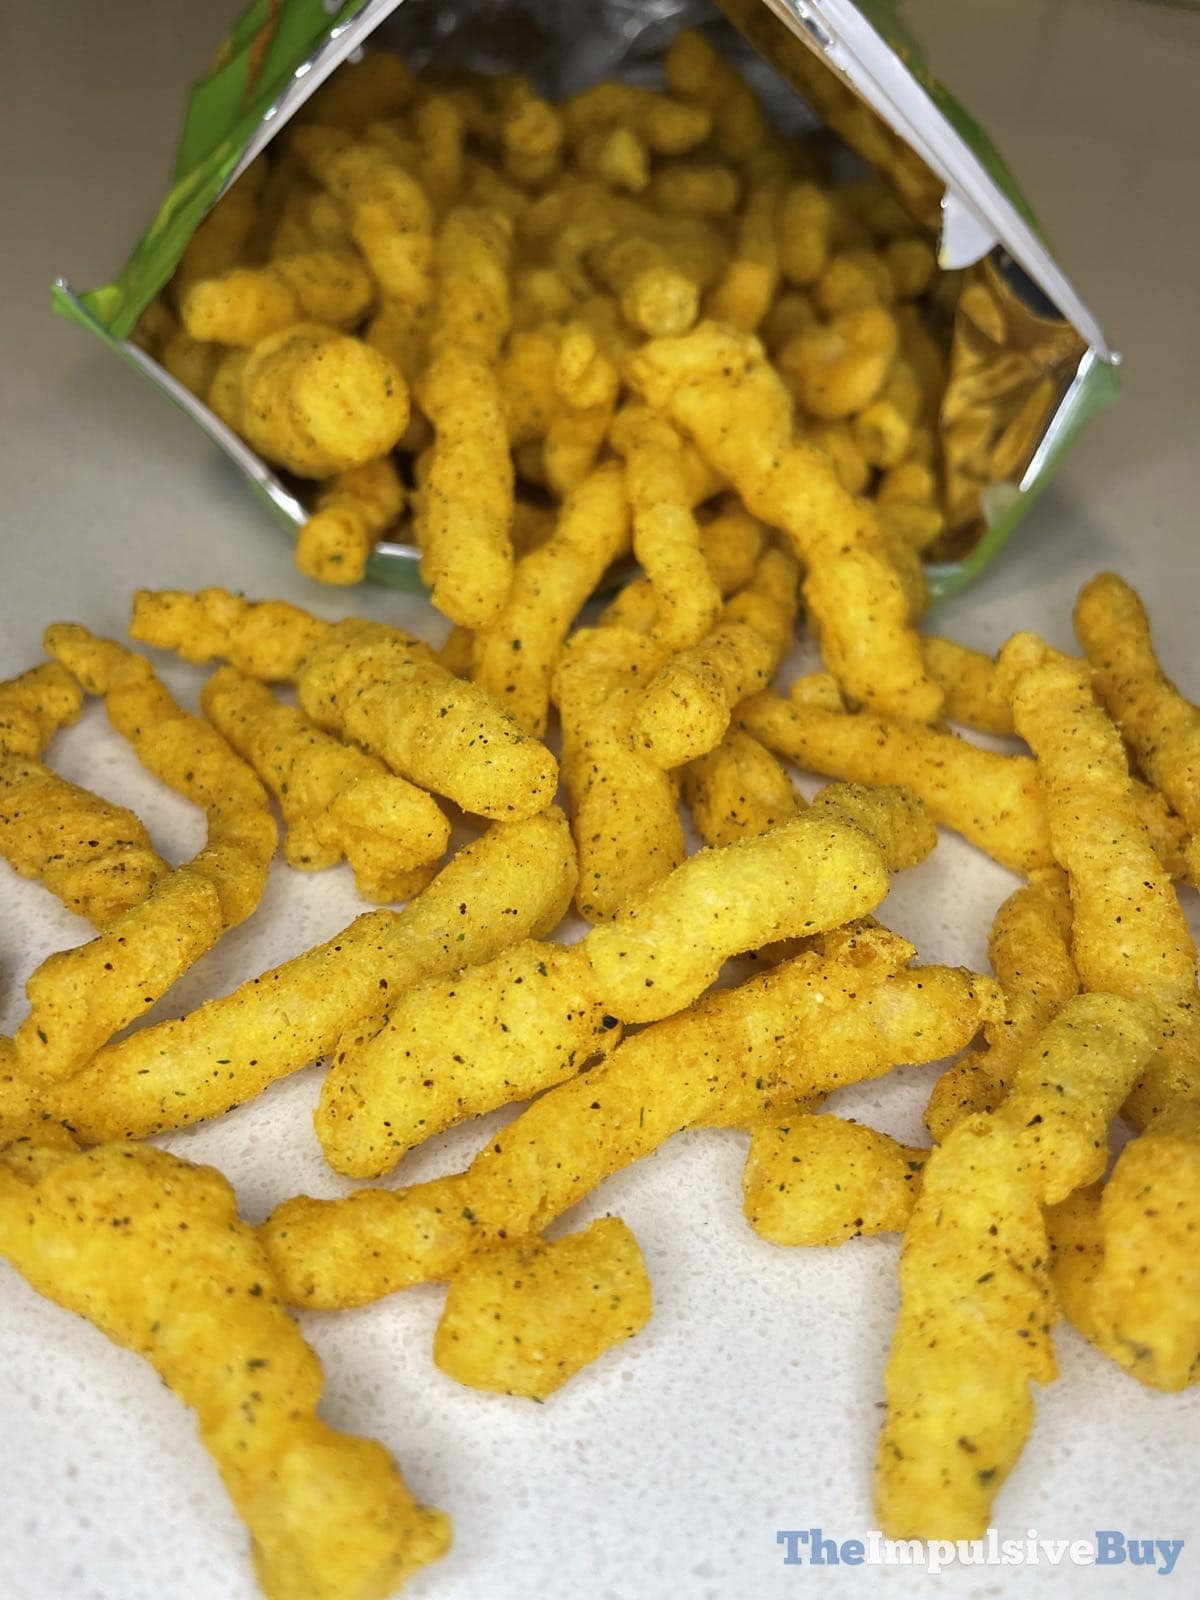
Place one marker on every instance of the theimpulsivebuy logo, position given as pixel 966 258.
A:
pixel 1107 1547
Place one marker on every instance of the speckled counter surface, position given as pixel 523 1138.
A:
pixel 750 1404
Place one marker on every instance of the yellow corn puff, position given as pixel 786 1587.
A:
pixel 725 1061
pixel 514 657
pixel 805 233
pixel 737 790
pixel 837 368
pixel 524 1319
pixel 852 278
pixel 1161 726
pixel 703 79
pixel 975 696
pixel 706 188
pixel 883 429
pixel 1030 950
pixel 266 639
pixel 744 294
pixel 687 707
pixel 336 800
pixel 912 265
pixel 655 294
pixel 191 363
pixel 317 402
pixel 526 376
pixel 245 304
pixel 151 1250
pixel 821 1180
pixel 666 537
pixel 624 814
pixel 95 856
pixel 615 155
pixel 513 883
pixel 1068 1085
pixel 531 134
pixel 389 213
pixel 450 1050
pixel 399 330
pixel 972 1335
pixel 1125 1263
pixel 995 801
pixel 387 692
pixel 667 127
pixel 80 997
pixel 467 502
pixel 1130 935
pixel 718 387
pixel 732 541
pixel 821 869
pixel 354 510
pixel 440 127
pixel 586 383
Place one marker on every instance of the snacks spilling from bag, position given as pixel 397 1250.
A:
pixel 634 323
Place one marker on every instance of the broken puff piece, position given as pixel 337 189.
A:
pixel 336 800
pixel 150 1249
pixel 94 855
pixel 524 1319
pixel 353 511
pixel 819 1179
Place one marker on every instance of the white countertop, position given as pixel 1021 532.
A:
pixel 750 1403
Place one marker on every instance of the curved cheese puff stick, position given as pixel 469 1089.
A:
pixel 806 219
pixel 1030 951
pixel 80 997
pixel 1162 727
pixel 379 689
pixel 450 1050
pixel 663 124
pixel 377 686
pixel 587 384
pixel 399 330
pixel 151 1251
pixel 744 294
pixel 513 883
pixel 976 1307
pixel 526 376
pixel 1126 1268
pixel 616 156
pixel 525 1319
pixel 973 1332
pixel 467 505
pixel 390 217
pixel 820 1180
pixel 702 78
pixel 188 755
pixel 719 388
pixel 245 304
pixel 1130 935
pixel 267 639
pixel 95 856
pixel 775 1039
pixel 317 401
pixel 975 696
pixel 686 709
pixel 994 801
pixel 883 429
pixel 514 656
pixel 336 800
pixel 836 369
pixel 655 293
pixel 354 511
pixel 441 130
pixel 666 536
pixel 737 790
pixel 1068 1085
pixel 823 868
pixel 852 277
pixel 531 135
pixel 193 364
pixel 624 815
